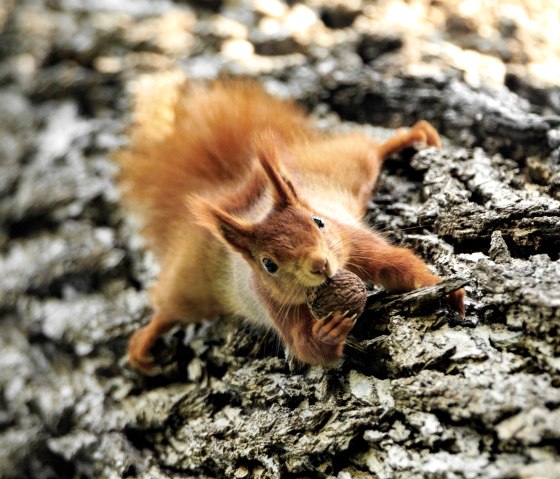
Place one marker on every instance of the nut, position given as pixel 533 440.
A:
pixel 343 292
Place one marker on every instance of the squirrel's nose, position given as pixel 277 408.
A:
pixel 318 263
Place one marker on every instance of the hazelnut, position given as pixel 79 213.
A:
pixel 343 292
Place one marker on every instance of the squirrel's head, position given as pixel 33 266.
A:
pixel 292 248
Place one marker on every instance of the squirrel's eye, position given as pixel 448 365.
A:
pixel 319 221
pixel 269 265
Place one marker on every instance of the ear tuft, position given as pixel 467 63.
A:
pixel 234 233
pixel 269 148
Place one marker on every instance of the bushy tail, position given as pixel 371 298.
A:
pixel 151 177
pixel 188 138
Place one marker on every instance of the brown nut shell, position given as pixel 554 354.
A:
pixel 343 292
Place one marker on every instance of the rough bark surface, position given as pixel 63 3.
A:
pixel 421 392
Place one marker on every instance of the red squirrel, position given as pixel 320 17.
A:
pixel 246 206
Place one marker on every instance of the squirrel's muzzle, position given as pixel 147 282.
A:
pixel 319 264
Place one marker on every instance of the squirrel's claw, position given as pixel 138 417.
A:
pixel 324 318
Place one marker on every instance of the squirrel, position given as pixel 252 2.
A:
pixel 246 206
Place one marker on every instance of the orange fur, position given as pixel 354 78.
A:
pixel 204 145
pixel 246 207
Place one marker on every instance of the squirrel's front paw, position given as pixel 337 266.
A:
pixel 333 328
pixel 329 335
pixel 323 342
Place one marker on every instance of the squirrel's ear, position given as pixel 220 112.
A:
pixel 233 232
pixel 268 148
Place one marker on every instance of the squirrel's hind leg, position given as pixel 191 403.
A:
pixel 172 305
pixel 421 132
pixel 143 339
pixel 183 293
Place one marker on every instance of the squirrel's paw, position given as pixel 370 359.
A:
pixel 333 328
pixel 139 351
pixel 426 133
